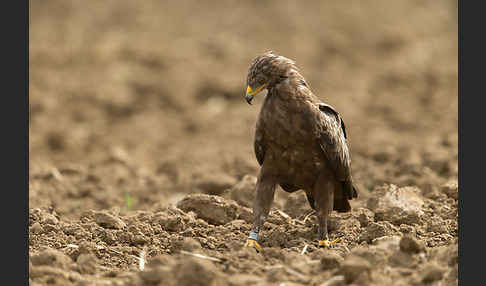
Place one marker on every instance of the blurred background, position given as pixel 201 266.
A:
pixel 142 102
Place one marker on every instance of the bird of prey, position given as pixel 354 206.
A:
pixel 300 143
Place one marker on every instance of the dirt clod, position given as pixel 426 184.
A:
pixel 450 189
pixel 87 263
pixel 50 219
pixel 397 205
pixel 213 209
pixel 37 228
pixel 355 269
pixel 431 273
pixel 331 260
pixel 411 245
pixel 107 220
pixel 51 257
pixel 195 271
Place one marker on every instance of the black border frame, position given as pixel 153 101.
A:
pixel 15 139
pixel 471 143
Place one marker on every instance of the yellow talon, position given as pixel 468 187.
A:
pixel 327 244
pixel 253 243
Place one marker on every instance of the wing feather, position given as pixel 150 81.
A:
pixel 332 140
pixel 259 143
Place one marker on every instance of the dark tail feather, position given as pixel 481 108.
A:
pixel 349 189
pixel 355 192
pixel 342 205
pixel 311 201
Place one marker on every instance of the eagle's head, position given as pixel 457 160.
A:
pixel 266 71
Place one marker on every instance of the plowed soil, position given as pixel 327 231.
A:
pixel 142 169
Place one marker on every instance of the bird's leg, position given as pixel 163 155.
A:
pixel 265 190
pixel 324 201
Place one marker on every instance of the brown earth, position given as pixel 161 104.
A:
pixel 141 143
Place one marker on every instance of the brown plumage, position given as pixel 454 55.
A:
pixel 300 143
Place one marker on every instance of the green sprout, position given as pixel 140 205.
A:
pixel 129 201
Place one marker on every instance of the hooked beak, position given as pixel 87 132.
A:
pixel 250 93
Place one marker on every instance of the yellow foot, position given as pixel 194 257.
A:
pixel 253 243
pixel 327 244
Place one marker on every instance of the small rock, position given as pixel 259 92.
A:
pixel 50 219
pixel 213 209
pixel 36 228
pixel 171 223
pixel 397 205
pixel 51 257
pixel 106 220
pixel 34 214
pixel 365 216
pixel 243 192
pixel 451 189
pixel 431 273
pixel 409 244
pixel 139 239
pixel 355 269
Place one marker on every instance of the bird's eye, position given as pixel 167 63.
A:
pixel 261 81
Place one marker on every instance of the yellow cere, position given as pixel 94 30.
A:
pixel 254 92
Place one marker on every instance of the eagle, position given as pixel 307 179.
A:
pixel 300 144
